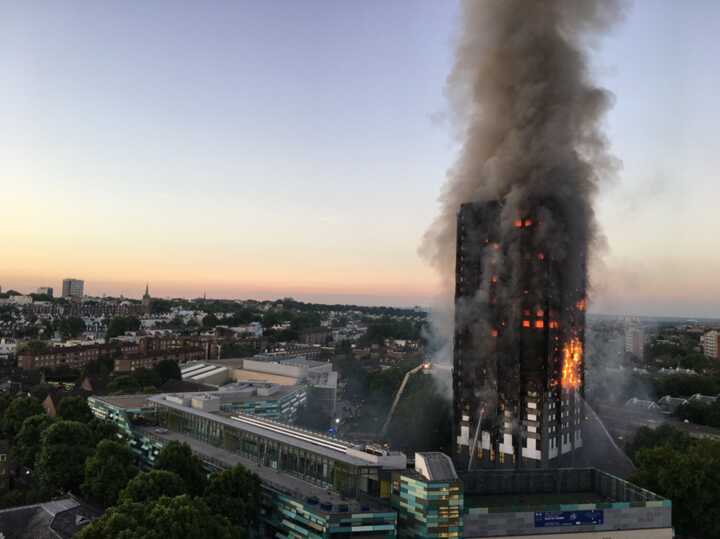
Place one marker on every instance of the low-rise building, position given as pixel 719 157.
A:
pixel 131 353
pixel 20 300
pixel 8 347
pixel 669 404
pixel 46 291
pixel 577 503
pixel 59 518
pixel 149 360
pixel 315 486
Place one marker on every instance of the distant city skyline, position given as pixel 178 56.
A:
pixel 266 150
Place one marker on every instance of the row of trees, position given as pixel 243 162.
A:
pixel 685 470
pixel 174 500
pixel 700 413
pixel 55 449
pixel 681 385
pixel 390 328
pixel 77 453
pixel 145 380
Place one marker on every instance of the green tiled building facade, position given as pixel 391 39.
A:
pixel 429 500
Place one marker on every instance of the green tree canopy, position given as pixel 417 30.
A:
pixel 102 430
pixel 120 324
pixel 147 377
pixel 64 447
pixel 107 472
pixel 210 321
pixel 647 438
pixel 690 477
pixel 236 494
pixel 124 384
pixel 700 413
pixel 160 306
pixel 70 328
pixel 152 485
pixel 74 408
pixel 18 411
pixel 168 369
pixel 179 458
pixel 28 440
pixel 181 517
pixel 390 328
pixel 683 385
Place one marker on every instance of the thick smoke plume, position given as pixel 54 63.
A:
pixel 529 121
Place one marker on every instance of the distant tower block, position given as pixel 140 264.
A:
pixel 518 373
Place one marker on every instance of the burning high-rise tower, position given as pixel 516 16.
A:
pixel 518 371
pixel 517 224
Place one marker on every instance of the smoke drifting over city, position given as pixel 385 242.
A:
pixel 529 119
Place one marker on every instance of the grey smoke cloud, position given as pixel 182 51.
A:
pixel 528 116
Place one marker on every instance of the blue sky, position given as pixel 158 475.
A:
pixel 298 148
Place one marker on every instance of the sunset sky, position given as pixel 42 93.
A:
pixel 264 149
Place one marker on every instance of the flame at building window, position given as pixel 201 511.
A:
pixel 572 362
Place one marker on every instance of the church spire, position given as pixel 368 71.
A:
pixel 147 300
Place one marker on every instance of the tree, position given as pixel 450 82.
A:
pixel 28 440
pixel 700 413
pixel 124 384
pixel 107 472
pixel 74 408
pixel 102 430
pixel 63 450
pixel 152 485
pixel 168 369
pixel 120 324
pixel 5 401
pixel 40 391
pixel 18 411
pixel 70 328
pixel 181 517
pixel 147 377
pixel 210 321
pixel 690 478
pixel 36 347
pixel 236 494
pixel 665 435
pixel 179 458
pixel 160 306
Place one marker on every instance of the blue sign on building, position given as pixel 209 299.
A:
pixel 545 519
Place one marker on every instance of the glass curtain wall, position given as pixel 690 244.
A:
pixel 307 465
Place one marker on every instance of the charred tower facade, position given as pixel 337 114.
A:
pixel 518 371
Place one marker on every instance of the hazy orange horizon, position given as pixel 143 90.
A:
pixel 308 162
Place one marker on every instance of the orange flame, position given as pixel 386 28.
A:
pixel 572 361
